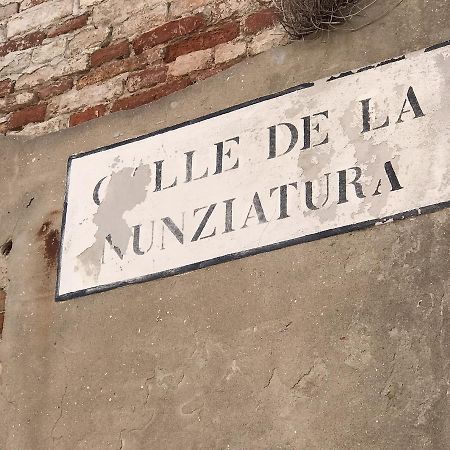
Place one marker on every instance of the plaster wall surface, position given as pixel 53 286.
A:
pixel 341 343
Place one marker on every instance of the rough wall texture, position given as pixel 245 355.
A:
pixel 338 344
pixel 63 62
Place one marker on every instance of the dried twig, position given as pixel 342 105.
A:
pixel 302 17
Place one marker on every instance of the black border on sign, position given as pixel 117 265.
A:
pixel 251 252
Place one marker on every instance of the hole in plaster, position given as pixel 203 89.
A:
pixel 6 247
pixel 2 312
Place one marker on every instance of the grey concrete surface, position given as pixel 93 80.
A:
pixel 342 343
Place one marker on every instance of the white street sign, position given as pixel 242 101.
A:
pixel 320 159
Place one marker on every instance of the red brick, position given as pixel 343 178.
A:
pixel 22 43
pixel 88 114
pixel 71 25
pixel 168 31
pixel 54 88
pixel 142 98
pixel 261 20
pixel 6 87
pixel 146 78
pixel 111 69
pixel 203 41
pixel 27 115
pixel 114 51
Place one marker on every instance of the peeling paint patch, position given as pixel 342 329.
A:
pixel 126 189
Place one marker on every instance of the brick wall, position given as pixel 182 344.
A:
pixel 64 62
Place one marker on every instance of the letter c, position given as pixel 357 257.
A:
pixel 95 196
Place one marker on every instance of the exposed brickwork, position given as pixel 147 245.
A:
pixel 151 95
pixel 27 115
pixel 168 31
pixel 22 43
pixel 54 88
pixel 229 51
pixel 114 51
pixel 146 78
pixel 110 70
pixel 203 41
pixel 60 57
pixel 88 114
pixel 191 62
pixel 71 25
pixel 261 20
pixel 6 87
pixel 14 101
pixel 39 17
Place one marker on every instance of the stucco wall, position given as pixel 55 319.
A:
pixel 339 343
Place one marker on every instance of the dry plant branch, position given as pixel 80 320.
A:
pixel 303 17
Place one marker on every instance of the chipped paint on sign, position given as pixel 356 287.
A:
pixel 362 148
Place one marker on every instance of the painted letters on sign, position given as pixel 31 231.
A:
pixel 319 159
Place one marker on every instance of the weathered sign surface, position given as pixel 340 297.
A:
pixel 362 148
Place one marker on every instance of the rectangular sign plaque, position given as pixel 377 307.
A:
pixel 365 147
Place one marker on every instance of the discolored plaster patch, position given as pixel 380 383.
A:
pixel 51 242
pixel 50 237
